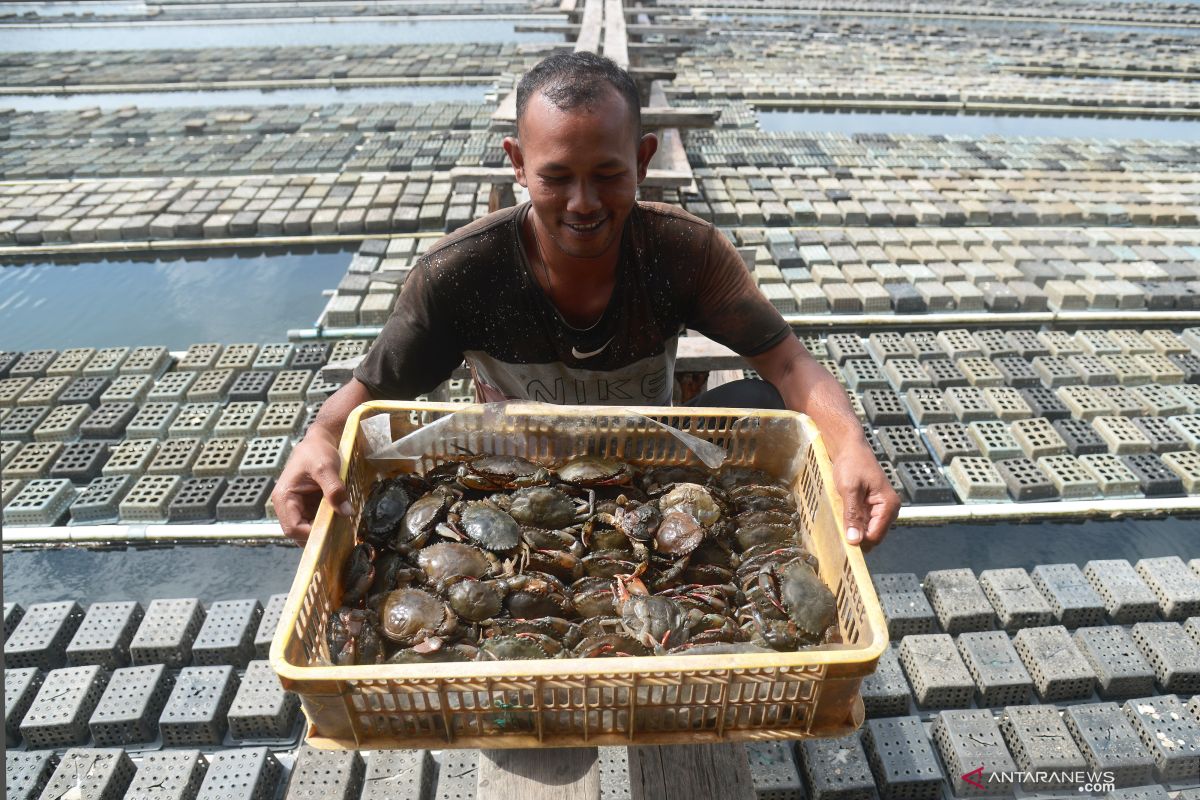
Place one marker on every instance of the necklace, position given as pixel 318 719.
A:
pixel 537 243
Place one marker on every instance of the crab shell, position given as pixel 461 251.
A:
pixel 678 534
pixel 809 603
pixel 489 472
pixel 694 499
pixel 446 560
pixel 474 600
pixel 412 616
pixel 585 471
pixel 384 511
pixel 543 507
pixel 489 527
pixel 514 647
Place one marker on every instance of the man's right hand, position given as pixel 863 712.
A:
pixel 311 474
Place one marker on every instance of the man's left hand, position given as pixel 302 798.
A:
pixel 870 503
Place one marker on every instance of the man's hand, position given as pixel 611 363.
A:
pixel 870 503
pixel 311 473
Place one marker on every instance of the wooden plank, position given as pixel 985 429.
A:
pixel 567 6
pixel 590 28
pixel 565 773
pixel 616 41
pixel 662 117
pixel 665 178
pixel 687 772
pixel 506 112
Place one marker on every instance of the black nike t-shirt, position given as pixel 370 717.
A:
pixel 473 297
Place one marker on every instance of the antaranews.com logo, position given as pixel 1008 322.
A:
pixel 1079 781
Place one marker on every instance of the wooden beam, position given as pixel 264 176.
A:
pixel 567 6
pixel 667 117
pixel 690 771
pixel 506 112
pixel 669 179
pixel 590 28
pixel 616 40
pixel 566 773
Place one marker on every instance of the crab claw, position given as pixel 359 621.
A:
pixel 430 645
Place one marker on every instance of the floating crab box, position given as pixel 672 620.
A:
pixel 670 699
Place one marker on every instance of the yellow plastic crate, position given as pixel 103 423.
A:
pixel 585 702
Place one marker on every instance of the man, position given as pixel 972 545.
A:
pixel 579 296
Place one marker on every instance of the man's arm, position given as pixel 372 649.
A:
pixel 871 504
pixel 312 470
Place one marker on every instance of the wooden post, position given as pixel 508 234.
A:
pixel 689 772
pixel 565 773
pixel 501 196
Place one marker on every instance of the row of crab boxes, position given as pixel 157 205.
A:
pixel 330 203
pixel 109 673
pixel 915 270
pixel 366 293
pixel 203 441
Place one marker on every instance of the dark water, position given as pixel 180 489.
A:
pixel 315 32
pixel 225 572
pixel 978 125
pixel 469 93
pixel 175 301
pixel 995 546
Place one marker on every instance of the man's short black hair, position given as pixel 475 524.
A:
pixel 571 80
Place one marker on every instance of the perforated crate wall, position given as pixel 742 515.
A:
pixel 40 639
pixel 281 419
pixel 239 419
pixel 244 498
pixel 60 712
pixel 195 713
pixel 200 356
pixel 84 391
pixel 40 502
pixel 1121 670
pixel 129 709
pixel 1170 734
pixel 773 771
pixel 98 774
pixel 262 709
pixel 325 775
pixel 902 759
pixel 237 356
pixel 20 688
pixel 1059 670
pixel 969 740
pixel 1109 743
pixel 1039 741
pixel 99 500
pixel 1111 474
pixel 251 386
pixel 167 632
pixel 227 635
pixel 26 774
pixel 148 498
pixel 936 671
pixel 976 480
pixel 904 605
pixel 219 457
pixel 127 389
pixel 195 419
pixel 289 386
pixel 273 356
pixel 71 361
pixel 80 462
pixel 171 775
pixel 885 693
pixel 104 635
pixel 246 774
pixel 131 457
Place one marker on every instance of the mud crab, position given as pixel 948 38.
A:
pixel 415 618
pixel 491 473
pixel 353 637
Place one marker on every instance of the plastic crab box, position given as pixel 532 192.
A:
pixel 672 699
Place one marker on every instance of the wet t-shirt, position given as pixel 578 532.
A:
pixel 473 297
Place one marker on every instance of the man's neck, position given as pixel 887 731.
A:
pixel 565 267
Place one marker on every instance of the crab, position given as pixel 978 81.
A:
pixel 610 645
pixel 473 599
pixel 358 574
pixel 536 594
pixel 731 477
pixel 484 525
pixel 490 473
pixel 593 597
pixel 517 647
pixel 423 516
pixel 791 591
pixel 557 628
pixel 546 507
pixel 445 560
pixel 415 618
pixel 386 506
pixel 656 480
pixel 749 536
pixel 447 653
pixel 655 621
pixel 353 637
pixel 593 471
pixel 694 499
pixel 560 563
pixel 760 497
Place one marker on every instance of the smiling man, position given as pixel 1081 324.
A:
pixel 580 295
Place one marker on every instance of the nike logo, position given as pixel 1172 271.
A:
pixel 575 352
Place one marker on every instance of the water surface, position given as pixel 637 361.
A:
pixel 439 93
pixel 174 301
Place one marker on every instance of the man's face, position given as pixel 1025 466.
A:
pixel 581 168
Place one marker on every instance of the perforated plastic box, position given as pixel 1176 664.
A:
pixel 41 638
pixel 167 632
pixel 128 711
pixel 245 774
pixel 195 713
pixel 227 635
pixel 96 774
pixel 104 635
pixel 170 775
pixel 60 712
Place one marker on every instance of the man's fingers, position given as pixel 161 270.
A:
pixel 852 500
pixel 332 488
pixel 293 516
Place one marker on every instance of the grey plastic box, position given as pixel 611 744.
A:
pixel 936 671
pixel 325 775
pixel 1109 743
pixel 43 501
pixel 267 625
pixel 20 688
pixel 902 759
pixel 1174 656
pixel 1000 677
pixel 959 601
pixel 27 773
pixel 169 775
pixel 128 711
pixel 60 712
pixel 1176 587
pixel 41 638
pixel 104 635
pixel 149 498
pixel 1072 599
pixel 1040 741
pixel 262 709
pixel 1059 670
pixel 836 769
pixel 227 635
pixel 885 692
pixel 167 632
pixel 1017 601
pixel 195 713
pixel 99 774
pixel 1127 599
pixel 905 606
pixel 967 740
pixel 245 774
pixel 410 774
pixel 1121 670
pixel 1170 733
pixel 100 499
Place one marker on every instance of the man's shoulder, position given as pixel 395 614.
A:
pixel 479 236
